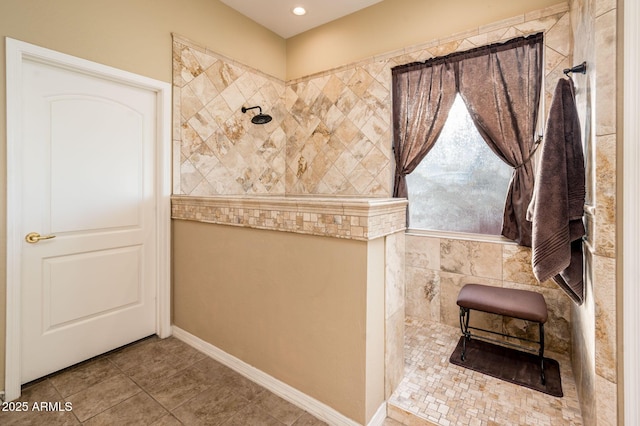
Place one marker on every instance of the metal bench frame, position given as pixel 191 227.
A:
pixel 465 314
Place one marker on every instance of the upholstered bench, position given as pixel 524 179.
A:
pixel 522 304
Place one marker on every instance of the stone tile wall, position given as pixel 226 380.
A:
pixel 394 310
pixel 437 268
pixel 595 327
pixel 216 148
pixel 339 121
pixel 331 132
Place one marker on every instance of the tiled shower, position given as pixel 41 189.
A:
pixel 331 135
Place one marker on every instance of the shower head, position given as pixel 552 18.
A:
pixel 260 118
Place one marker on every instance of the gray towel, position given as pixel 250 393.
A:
pixel 557 205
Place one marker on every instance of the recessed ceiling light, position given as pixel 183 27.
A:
pixel 299 10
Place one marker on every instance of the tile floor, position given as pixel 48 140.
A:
pixel 154 382
pixel 167 382
pixel 435 392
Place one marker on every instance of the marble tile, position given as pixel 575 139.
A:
pixel 605 317
pixel 394 274
pixel 605 49
pixel 605 153
pixel 606 402
pixel 213 90
pixel 357 94
pixel 604 6
pixel 190 67
pixel 394 352
pixel 223 74
pixel 423 293
pixel 203 124
pixel 190 104
pixel 422 251
pixel 203 89
pixel 471 258
pixel 558 326
pixel 516 266
pixel 557 36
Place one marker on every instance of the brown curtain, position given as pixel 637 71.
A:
pixel 422 98
pixel 500 84
pixel 502 92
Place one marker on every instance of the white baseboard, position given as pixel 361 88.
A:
pixel 380 416
pixel 283 390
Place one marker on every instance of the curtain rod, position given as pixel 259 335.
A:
pixel 476 51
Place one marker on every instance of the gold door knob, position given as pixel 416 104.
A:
pixel 34 237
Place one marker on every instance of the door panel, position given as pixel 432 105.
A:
pixel 114 285
pixel 95 151
pixel 88 178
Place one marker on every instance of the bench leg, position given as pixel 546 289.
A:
pixel 465 313
pixel 542 353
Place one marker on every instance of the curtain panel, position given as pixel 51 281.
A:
pixel 500 85
pixel 422 99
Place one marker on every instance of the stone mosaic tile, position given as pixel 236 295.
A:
pixel 436 392
pixel 353 218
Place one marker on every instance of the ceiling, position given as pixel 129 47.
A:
pixel 276 15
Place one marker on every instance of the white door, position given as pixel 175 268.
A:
pixel 88 189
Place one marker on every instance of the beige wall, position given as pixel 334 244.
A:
pixel 130 35
pixel 391 25
pixel 297 307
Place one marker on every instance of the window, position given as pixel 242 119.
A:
pixel 461 184
pixel 501 85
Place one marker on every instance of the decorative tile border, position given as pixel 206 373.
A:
pixel 340 217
